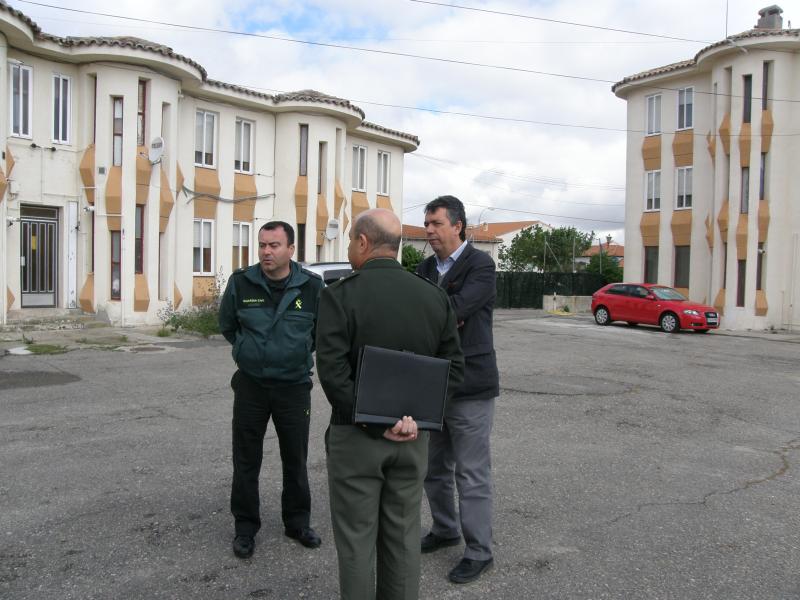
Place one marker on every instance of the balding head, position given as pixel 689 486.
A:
pixel 375 234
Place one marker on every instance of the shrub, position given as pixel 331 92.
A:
pixel 201 318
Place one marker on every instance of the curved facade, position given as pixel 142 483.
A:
pixel 713 192
pixel 91 223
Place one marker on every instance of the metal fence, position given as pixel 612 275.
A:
pixel 525 289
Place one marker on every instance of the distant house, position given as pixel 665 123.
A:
pixel 414 235
pixel 507 230
pixel 612 248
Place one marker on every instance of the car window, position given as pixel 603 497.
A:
pixel 618 290
pixel 639 291
pixel 666 293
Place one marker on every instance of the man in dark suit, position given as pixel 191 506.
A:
pixel 375 473
pixel 459 456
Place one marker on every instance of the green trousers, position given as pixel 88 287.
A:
pixel 375 491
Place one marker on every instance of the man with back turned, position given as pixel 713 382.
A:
pixel 375 473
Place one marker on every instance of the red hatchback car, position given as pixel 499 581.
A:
pixel 652 305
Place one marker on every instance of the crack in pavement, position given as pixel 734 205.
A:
pixel 782 452
pixel 593 394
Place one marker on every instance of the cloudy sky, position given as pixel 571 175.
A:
pixel 525 145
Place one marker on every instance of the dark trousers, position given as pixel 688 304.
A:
pixel 290 409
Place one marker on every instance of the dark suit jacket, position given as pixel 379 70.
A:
pixel 471 286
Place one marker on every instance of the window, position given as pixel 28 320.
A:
pixel 748 98
pixel 653 193
pixel 744 206
pixel 740 281
pixel 763 177
pixel 204 131
pixel 61 109
pixel 301 242
pixel 116 159
pixel 116 264
pixel 21 100
pixel 203 256
pixel 141 107
pixel 760 266
pixel 241 245
pixel 765 85
pixel 303 150
pixel 383 173
pixel 359 168
pixel 651 264
pixel 685 106
pixel 724 265
pixel 322 161
pixel 139 240
pixel 681 266
pixel 244 137
pixel 654 114
pixel 684 188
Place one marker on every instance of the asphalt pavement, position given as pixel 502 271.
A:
pixel 628 463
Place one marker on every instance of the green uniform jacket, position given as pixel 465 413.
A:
pixel 272 344
pixel 382 305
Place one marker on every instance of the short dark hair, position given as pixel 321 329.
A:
pixel 455 212
pixel 273 225
pixel 377 235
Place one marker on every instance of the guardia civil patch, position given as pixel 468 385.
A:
pixel 253 301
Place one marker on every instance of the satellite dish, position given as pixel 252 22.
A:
pixel 332 230
pixel 156 151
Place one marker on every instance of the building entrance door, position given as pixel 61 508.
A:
pixel 38 256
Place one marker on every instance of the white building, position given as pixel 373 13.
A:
pixel 713 188
pixel 90 221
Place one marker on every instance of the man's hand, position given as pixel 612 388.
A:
pixel 405 430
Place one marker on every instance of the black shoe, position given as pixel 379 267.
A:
pixel 469 570
pixel 243 546
pixel 305 535
pixel 432 542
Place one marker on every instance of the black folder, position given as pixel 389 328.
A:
pixel 391 384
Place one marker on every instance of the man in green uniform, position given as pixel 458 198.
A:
pixel 375 473
pixel 269 314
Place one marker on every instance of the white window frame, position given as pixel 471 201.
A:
pixel 242 226
pixel 12 103
pixel 651 178
pixel 211 266
pixel 683 188
pixel 64 130
pixel 202 142
pixel 653 114
pixel 239 144
pixel 384 171
pixel 359 168
pixel 687 116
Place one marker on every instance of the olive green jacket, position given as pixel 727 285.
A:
pixel 381 305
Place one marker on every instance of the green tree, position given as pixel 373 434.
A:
pixel 536 249
pixel 411 257
pixel 606 265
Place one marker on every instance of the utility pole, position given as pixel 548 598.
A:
pixel 600 247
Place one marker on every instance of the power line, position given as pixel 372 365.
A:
pixel 573 23
pixel 541 180
pixel 382 52
pixel 40 17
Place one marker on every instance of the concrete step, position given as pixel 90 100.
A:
pixel 44 319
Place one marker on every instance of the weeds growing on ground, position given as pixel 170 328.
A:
pixel 46 348
pixel 200 318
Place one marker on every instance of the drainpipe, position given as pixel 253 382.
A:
pixel 4 257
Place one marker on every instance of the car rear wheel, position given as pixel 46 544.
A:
pixel 669 323
pixel 601 316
